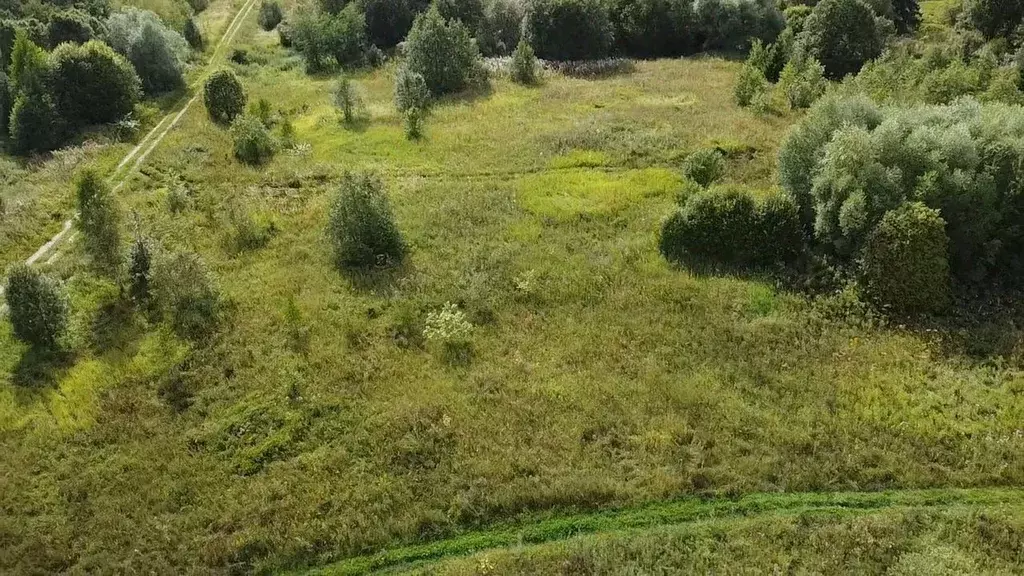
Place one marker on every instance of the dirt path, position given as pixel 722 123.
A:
pixel 127 166
pixel 674 512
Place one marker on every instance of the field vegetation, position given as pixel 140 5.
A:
pixel 366 306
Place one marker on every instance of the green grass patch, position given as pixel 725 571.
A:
pixel 569 194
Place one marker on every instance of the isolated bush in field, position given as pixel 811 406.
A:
pixel 270 14
pixel 71 25
pixel 749 84
pixel 186 291
pixel 442 52
pixel 157 52
pixel 994 18
pixel 99 221
pixel 139 265
pixel 389 21
pixel 410 90
pixel 500 30
pixel 843 35
pixel 253 143
pixel 36 123
pixel 37 307
pixel 802 81
pixel 224 96
pixel 287 134
pixel 651 28
pixel 712 227
pixel 524 64
pixel 193 35
pixel 347 101
pixel 361 228
pixel 469 12
pixel 905 263
pixel 705 166
pixel 413 122
pixel 568 29
pixel 251 231
pixel 92 84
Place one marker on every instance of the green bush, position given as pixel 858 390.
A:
pixel 410 90
pixel 749 84
pixel 92 84
pixel 253 143
pixel 157 52
pixel 198 5
pixel 796 17
pixel 99 222
pixel 469 12
pixel 905 264
pixel 906 15
pixel 731 25
pixel 842 35
pixel 778 236
pixel 389 21
pixel 270 15
pixel 413 122
pixel 37 307
pixel 994 18
pixel 6 101
pixel 326 39
pixel 569 29
pixel 193 35
pixel 652 28
pixel 705 166
pixel 72 25
pixel 524 64
pixel 802 81
pixel 36 124
pixel 140 263
pixel 29 71
pixel 348 101
pixel 361 228
pixel 185 290
pixel 224 96
pixel 500 30
pixel 442 52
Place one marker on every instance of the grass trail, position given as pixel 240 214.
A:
pixel 666 514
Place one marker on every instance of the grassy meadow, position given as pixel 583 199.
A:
pixel 319 424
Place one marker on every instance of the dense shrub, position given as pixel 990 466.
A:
pixel 649 28
pixel 193 35
pixel 140 263
pixel 157 52
pixel 442 52
pixel 842 35
pixel 6 101
pixel 569 29
pixel 253 143
pixel 186 291
pixel 325 39
pixel 768 58
pixel 802 81
pixel 347 100
pixel 98 222
pixel 361 228
pixel 994 18
pixel 705 166
pixel 389 21
pixel 29 71
pixel 524 64
pixel 36 123
pixel 410 90
pixel 92 84
pixel 732 24
pixel 726 226
pixel 905 265
pixel 749 84
pixel 500 30
pixel 71 25
pixel 270 14
pixel 469 12
pixel 906 15
pixel 224 96
pixel 37 306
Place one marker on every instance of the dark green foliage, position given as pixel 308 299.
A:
pixel 198 5
pixel 157 52
pixel 92 84
pixel 36 124
pixel 906 15
pixel 469 12
pixel 650 28
pixel 994 18
pixel 325 39
pixel 72 25
pixel 389 21
pixel 224 96
pixel 569 29
pixel 905 262
pixel 770 58
pixel 442 52
pixel 6 101
pixel 843 35
pixel 270 14
pixel 99 222
pixel 410 90
pixel 726 226
pixel 193 35
pixel 501 27
pixel 253 142
pixel 731 25
pixel 37 307
pixel 186 292
pixel 285 35
pixel 705 166
pixel 524 64
pixel 796 17
pixel 140 263
pixel 361 228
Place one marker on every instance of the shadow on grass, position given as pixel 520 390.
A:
pixel 378 280
pixel 40 368
pixel 115 327
pixel 467 96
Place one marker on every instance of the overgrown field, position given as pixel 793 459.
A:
pixel 319 423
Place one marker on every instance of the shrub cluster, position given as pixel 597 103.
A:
pixel 843 35
pixel 327 40
pixel 727 226
pixel 157 52
pixel 361 228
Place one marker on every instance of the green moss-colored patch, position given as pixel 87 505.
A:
pixel 573 193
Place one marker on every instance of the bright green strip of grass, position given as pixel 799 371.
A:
pixel 668 513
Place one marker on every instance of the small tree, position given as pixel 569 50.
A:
pixel 92 84
pixel 270 15
pixel 140 262
pixel 193 35
pixel 749 84
pixel 524 64
pixel 410 90
pixel 361 227
pixel 843 35
pixel 29 70
pixel 442 52
pixel 705 166
pixel 413 122
pixel 224 96
pixel 98 221
pixel 38 307
pixel 347 100
pixel 253 143
pixel 36 123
